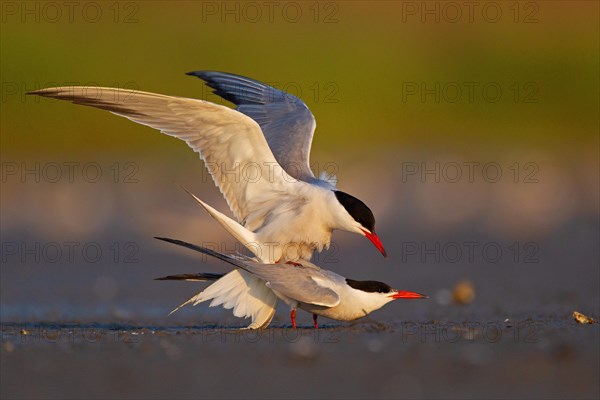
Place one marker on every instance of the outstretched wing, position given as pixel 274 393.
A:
pixel 287 123
pixel 231 144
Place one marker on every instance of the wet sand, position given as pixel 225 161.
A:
pixel 539 357
pixel 81 327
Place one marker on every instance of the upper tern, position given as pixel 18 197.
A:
pixel 302 285
pixel 268 137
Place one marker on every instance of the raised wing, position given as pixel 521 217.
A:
pixel 287 123
pixel 230 143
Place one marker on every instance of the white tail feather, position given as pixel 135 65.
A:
pixel 241 291
pixel 242 234
pixel 247 295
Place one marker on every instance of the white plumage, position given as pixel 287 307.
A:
pixel 295 213
pixel 304 285
pixel 247 295
pixel 258 156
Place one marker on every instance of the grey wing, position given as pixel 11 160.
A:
pixel 306 284
pixel 286 122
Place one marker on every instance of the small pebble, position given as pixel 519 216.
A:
pixel 464 292
pixel 583 319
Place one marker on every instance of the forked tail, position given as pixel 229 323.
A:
pixel 239 290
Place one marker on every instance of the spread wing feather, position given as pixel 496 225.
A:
pixel 227 140
pixel 287 123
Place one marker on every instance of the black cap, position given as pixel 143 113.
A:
pixel 357 209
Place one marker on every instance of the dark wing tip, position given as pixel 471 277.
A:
pixel 166 278
pixel 195 73
pixel 200 277
pixel 48 92
pixel 169 240
pixel 205 74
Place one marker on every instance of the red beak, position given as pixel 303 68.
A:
pixel 408 295
pixel 375 240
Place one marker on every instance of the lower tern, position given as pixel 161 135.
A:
pixel 269 136
pixel 301 285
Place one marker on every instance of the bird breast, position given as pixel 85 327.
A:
pixel 296 225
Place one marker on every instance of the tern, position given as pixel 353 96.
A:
pixel 300 285
pixel 257 154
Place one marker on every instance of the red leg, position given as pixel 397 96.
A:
pixel 295 264
pixel 315 316
pixel 293 316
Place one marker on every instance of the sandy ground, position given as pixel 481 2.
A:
pixel 81 326
pixel 536 357
pixel 103 333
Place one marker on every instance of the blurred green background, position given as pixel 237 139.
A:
pixel 389 83
pixel 392 85
pixel 371 53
